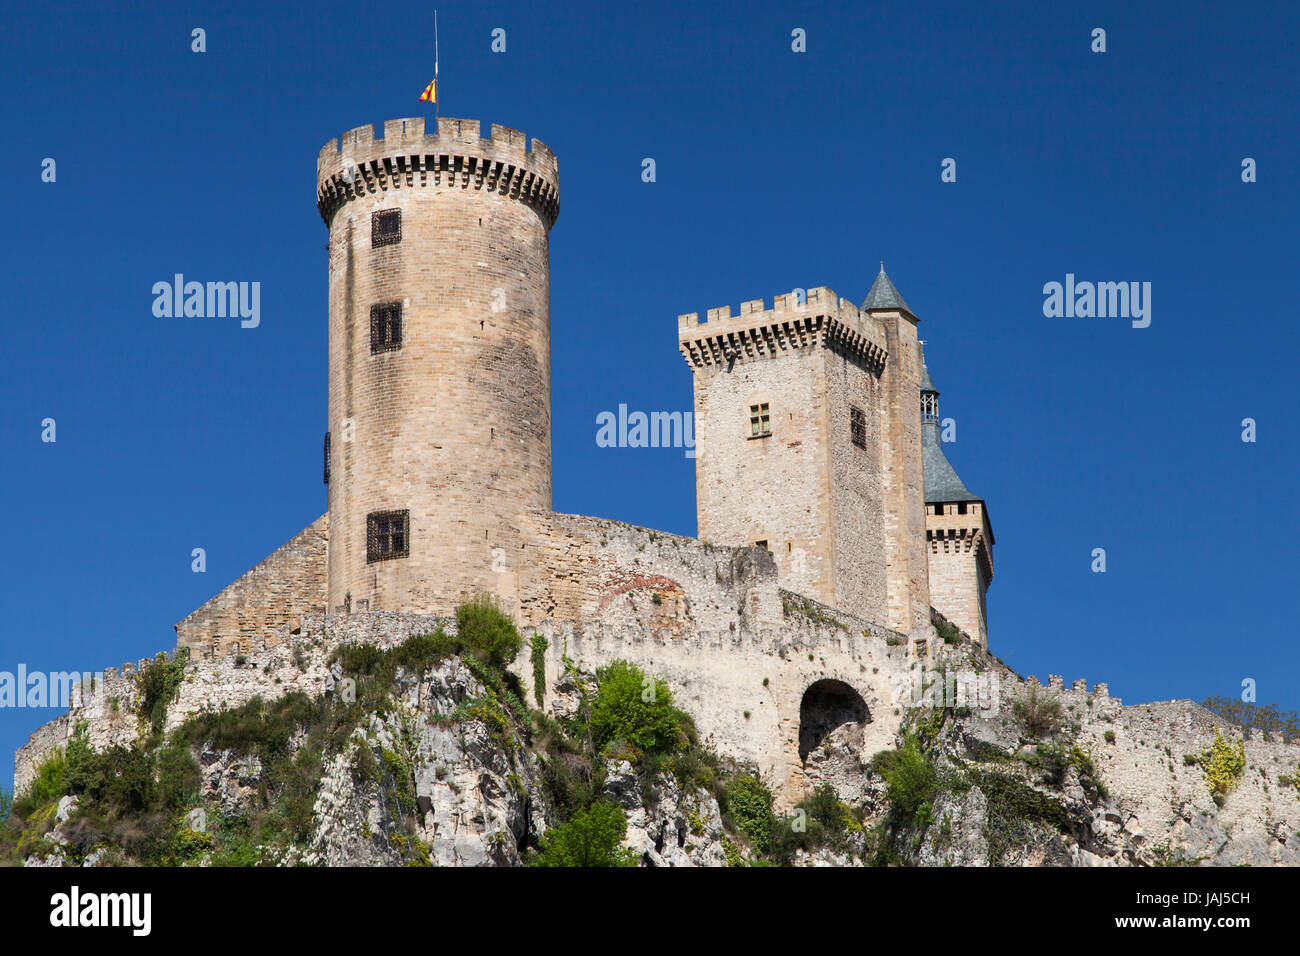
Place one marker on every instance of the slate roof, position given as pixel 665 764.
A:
pixel 941 481
pixel 883 295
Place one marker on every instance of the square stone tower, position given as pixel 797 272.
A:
pixel 808 438
pixel 787 430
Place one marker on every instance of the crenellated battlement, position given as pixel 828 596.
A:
pixel 823 318
pixel 456 155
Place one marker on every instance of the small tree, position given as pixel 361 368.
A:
pixel 635 709
pixel 591 838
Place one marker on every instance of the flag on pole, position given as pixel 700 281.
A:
pixel 430 93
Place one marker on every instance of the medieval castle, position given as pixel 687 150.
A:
pixel 836 590
pixel 816 419
pixel 833 530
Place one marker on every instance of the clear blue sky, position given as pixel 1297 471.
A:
pixel 775 170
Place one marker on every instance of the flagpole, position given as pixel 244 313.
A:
pixel 436 91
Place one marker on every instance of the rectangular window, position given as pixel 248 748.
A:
pixel 761 544
pixel 760 421
pixel 388 535
pixel 386 227
pixel 858 426
pixel 386 327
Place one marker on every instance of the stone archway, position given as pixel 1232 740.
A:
pixel 827 705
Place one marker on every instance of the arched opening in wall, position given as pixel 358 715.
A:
pixel 828 705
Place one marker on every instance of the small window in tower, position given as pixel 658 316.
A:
pixel 760 421
pixel 388 535
pixel 386 227
pixel 938 509
pixel 761 544
pixel 961 508
pixel 858 426
pixel 386 327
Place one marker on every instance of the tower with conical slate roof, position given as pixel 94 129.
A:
pixel 901 471
pixel 958 534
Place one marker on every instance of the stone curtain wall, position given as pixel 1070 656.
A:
pixel 289 583
pixel 717 676
pixel 581 569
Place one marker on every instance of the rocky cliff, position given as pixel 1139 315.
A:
pixel 417 744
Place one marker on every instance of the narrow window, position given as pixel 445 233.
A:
pixel 386 227
pixel 385 327
pixel 388 535
pixel 857 426
pixel 760 421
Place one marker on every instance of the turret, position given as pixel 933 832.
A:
pixel 958 533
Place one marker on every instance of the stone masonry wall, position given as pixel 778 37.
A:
pixel 954 586
pixel 288 584
pixel 960 564
pixel 902 475
pixel 775 488
pixel 857 517
pixel 579 569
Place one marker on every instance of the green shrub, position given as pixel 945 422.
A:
pixel 539 645
pixel 1224 765
pixel 912 780
pixel 749 809
pixel 179 779
pixel 821 820
pixel 635 709
pixel 1039 713
pixel 591 838
pixel 47 786
pixel 950 633
pixel 487 631
pixel 157 685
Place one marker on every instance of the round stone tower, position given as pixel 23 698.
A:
pixel 439 359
